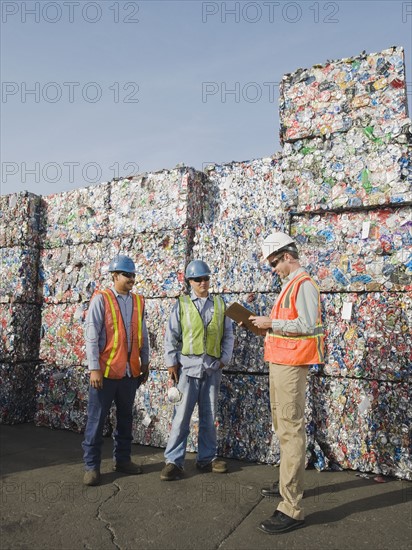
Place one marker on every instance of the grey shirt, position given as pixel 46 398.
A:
pixel 196 365
pixel 307 304
pixel 95 331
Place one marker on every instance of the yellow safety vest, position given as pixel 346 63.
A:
pixel 195 341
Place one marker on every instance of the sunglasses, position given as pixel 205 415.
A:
pixel 200 279
pixel 128 275
pixel 275 262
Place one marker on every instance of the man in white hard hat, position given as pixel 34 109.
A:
pixel 293 341
pixel 199 342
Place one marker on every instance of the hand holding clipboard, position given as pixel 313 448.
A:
pixel 242 315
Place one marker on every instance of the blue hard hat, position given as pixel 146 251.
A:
pixel 122 263
pixel 197 268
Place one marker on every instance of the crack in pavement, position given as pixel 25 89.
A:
pixel 107 524
pixel 239 523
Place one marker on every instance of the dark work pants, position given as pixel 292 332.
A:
pixel 123 393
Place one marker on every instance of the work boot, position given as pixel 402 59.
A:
pixel 127 468
pixel 280 523
pixel 271 491
pixel 216 466
pixel 91 477
pixel 171 472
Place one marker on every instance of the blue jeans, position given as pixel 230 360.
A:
pixel 123 393
pixel 203 391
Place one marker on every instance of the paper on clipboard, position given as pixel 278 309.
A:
pixel 241 314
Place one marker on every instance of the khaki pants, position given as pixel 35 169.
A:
pixel 287 400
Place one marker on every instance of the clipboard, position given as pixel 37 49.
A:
pixel 241 314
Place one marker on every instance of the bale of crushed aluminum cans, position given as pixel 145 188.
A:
pixel 20 220
pixel 357 251
pixel 156 201
pixel 20 301
pixel 61 398
pixel 359 168
pixel 17 391
pixel 77 216
pixel 232 250
pixel 73 273
pixel 18 273
pixel 364 424
pixel 157 313
pixel 63 334
pixel 248 189
pixel 340 94
pixel 368 335
pixel 20 328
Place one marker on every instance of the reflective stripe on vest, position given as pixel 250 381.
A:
pixel 115 355
pixel 294 350
pixel 195 341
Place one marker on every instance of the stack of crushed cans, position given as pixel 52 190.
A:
pixel 20 305
pixel 341 186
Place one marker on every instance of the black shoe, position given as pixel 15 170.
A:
pixel 280 523
pixel 271 491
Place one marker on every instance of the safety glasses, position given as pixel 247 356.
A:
pixel 200 279
pixel 128 275
pixel 276 261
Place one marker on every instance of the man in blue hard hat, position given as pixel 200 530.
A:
pixel 117 348
pixel 198 344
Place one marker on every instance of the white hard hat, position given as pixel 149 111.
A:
pixel 274 242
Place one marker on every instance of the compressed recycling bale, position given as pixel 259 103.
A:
pixel 18 274
pixel 232 249
pixel 19 220
pixel 77 216
pixel 374 341
pixel 20 330
pixel 157 315
pixel 357 251
pixel 61 398
pixel 244 419
pixel 364 424
pixel 350 170
pixel 244 189
pixel 17 392
pixel 63 334
pixel 152 413
pixel 73 273
pixel 156 201
pixel 333 97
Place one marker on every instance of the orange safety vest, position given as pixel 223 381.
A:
pixel 294 350
pixel 115 355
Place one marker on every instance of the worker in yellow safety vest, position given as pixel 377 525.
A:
pixel 117 349
pixel 198 344
pixel 293 341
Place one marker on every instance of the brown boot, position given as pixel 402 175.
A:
pixel 91 477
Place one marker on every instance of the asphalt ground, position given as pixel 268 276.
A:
pixel 46 506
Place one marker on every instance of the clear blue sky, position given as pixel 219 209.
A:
pixel 127 87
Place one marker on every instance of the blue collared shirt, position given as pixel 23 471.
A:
pixel 196 365
pixel 95 330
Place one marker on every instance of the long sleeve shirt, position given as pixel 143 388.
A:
pixel 196 365
pixel 95 330
pixel 307 304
